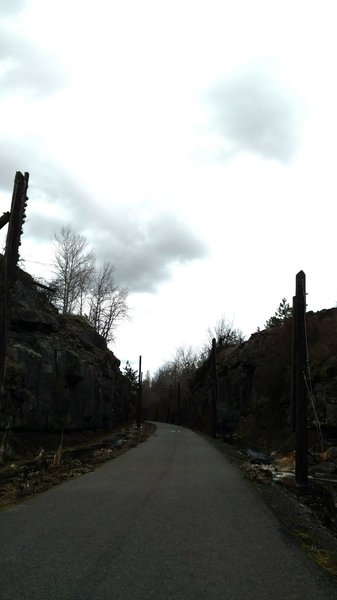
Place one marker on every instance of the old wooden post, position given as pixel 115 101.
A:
pixel 215 389
pixel 168 408
pixel 139 400
pixel 178 402
pixel 15 221
pixel 293 374
pixel 301 397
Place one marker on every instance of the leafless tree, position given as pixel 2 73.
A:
pixel 163 392
pixel 185 362
pixel 225 334
pixel 107 302
pixel 74 265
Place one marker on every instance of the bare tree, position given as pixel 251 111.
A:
pixel 225 334
pixel 185 362
pixel 170 389
pixel 107 302
pixel 74 265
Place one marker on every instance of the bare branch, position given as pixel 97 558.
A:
pixel 108 302
pixel 74 265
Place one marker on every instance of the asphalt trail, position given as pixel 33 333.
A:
pixel 170 520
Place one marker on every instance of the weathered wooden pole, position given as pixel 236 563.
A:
pixel 13 240
pixel 139 399
pixel 293 372
pixel 168 408
pixel 215 389
pixel 178 402
pixel 301 397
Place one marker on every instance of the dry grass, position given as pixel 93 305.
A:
pixel 46 469
pixel 322 557
pixel 58 455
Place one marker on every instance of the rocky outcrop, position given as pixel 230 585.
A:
pixel 255 381
pixel 60 373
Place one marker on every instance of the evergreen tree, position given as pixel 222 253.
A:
pixel 131 374
pixel 282 314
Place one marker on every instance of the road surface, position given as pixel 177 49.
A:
pixel 170 520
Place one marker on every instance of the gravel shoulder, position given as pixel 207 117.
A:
pixel 301 512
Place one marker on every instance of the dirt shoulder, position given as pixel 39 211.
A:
pixel 33 462
pixel 303 513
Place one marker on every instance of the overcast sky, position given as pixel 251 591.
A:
pixel 192 142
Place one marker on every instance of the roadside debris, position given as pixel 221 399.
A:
pixel 35 473
pixel 321 495
pixel 259 458
pixel 323 463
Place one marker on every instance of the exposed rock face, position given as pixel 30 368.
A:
pixel 60 373
pixel 255 380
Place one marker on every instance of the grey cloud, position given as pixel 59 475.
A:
pixel 30 70
pixel 143 250
pixel 48 184
pixel 13 156
pixel 29 155
pixel 41 226
pixel 255 111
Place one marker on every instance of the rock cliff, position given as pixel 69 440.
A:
pixel 255 381
pixel 60 373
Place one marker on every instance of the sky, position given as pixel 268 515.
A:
pixel 191 142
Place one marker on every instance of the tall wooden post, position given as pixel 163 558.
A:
pixel 179 402
pixel 168 408
pixel 301 397
pixel 15 220
pixel 215 389
pixel 293 374
pixel 139 400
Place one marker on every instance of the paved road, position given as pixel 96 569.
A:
pixel 170 520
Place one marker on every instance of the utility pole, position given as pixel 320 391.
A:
pixel 139 401
pixel 215 389
pixel 179 402
pixel 300 392
pixel 168 411
pixel 15 220
pixel 293 373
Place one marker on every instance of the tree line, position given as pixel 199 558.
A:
pixel 170 390
pixel 168 394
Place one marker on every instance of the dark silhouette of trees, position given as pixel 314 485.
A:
pixel 225 335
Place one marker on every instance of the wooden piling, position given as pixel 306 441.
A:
pixel 179 403
pixel 13 240
pixel 215 389
pixel 139 398
pixel 301 396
